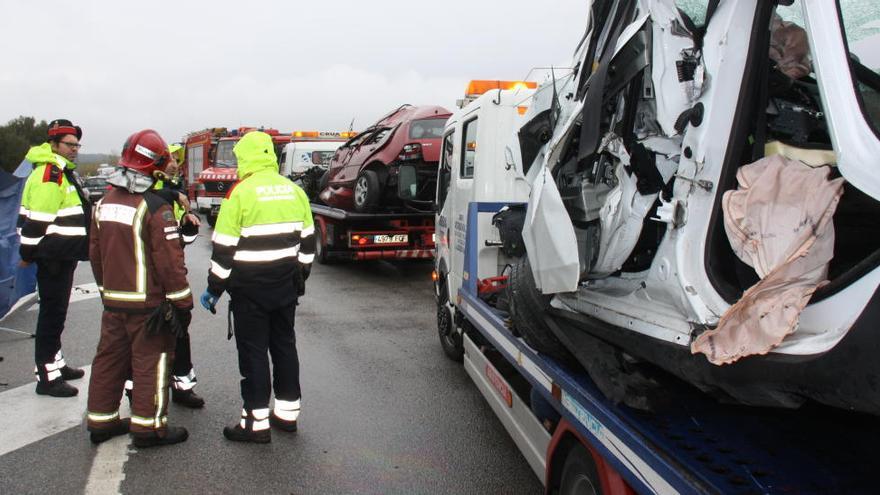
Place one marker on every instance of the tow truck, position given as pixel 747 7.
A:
pixel 574 438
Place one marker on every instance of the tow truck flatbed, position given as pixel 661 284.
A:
pixel 340 214
pixel 353 236
pixel 691 444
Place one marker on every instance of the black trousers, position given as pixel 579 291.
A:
pixel 54 282
pixel 182 357
pixel 262 329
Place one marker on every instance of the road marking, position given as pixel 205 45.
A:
pixel 108 467
pixel 26 417
pixel 80 292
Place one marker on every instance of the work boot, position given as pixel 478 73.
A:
pixel 71 373
pixel 282 424
pixel 101 436
pixel 173 434
pixel 187 398
pixel 252 427
pixel 56 388
pixel 238 434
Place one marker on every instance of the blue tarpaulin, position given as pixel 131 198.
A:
pixel 15 282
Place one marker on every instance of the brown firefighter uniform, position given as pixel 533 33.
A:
pixel 138 263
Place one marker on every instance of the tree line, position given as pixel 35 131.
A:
pixel 16 136
pixel 20 133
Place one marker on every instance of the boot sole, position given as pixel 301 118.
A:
pixel 188 405
pixel 267 439
pixel 283 427
pixel 64 396
pixel 150 443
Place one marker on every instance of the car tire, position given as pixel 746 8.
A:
pixel 527 308
pixel 366 191
pixel 579 473
pixel 450 340
pixel 321 245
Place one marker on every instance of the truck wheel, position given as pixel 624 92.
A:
pixel 527 307
pixel 320 246
pixel 366 191
pixel 579 474
pixel 450 340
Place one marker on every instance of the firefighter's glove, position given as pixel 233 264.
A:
pixel 209 300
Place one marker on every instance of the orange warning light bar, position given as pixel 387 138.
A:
pixel 478 87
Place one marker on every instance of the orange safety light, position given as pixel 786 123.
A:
pixel 434 275
pixel 306 134
pixel 521 110
pixel 478 87
pixel 348 135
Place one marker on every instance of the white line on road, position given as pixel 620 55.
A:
pixel 26 417
pixel 79 292
pixel 108 467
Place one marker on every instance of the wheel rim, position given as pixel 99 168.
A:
pixel 582 485
pixel 360 191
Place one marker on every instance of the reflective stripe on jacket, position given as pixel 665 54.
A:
pixel 52 218
pixel 264 232
pixel 136 254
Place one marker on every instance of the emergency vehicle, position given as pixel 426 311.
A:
pixel 353 236
pixel 211 161
pixel 574 438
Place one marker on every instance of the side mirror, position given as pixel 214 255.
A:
pixel 407 182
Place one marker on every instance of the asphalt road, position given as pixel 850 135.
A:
pixel 383 410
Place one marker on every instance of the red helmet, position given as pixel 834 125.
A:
pixel 146 152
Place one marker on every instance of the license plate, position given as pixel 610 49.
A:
pixel 390 239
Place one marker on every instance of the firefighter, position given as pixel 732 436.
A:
pixel 52 223
pixel 137 260
pixel 264 245
pixel 183 375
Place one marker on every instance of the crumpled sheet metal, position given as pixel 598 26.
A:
pixel 779 222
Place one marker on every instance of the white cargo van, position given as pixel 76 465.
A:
pixel 299 156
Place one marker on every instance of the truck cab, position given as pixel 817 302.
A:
pixel 476 164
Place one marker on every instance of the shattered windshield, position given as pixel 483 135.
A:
pixel 861 21
pixel 695 9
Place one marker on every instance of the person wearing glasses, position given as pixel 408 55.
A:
pixel 53 230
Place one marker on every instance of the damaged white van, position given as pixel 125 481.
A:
pixel 704 199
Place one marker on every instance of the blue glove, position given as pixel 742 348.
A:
pixel 209 300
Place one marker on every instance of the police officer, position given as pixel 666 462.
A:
pixel 137 260
pixel 52 224
pixel 264 244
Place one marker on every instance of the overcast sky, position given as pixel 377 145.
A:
pixel 115 67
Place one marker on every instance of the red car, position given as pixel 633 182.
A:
pixel 363 174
